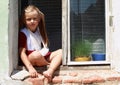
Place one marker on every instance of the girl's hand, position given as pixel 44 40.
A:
pixel 33 73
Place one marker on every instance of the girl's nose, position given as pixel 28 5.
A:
pixel 32 20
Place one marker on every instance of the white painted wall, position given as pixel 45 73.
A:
pixel 116 34
pixel 8 36
pixel 4 60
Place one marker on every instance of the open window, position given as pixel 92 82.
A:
pixel 70 21
pixel 65 21
pixel 110 26
pixel 53 20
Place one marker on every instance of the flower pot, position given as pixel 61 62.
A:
pixel 82 59
pixel 98 57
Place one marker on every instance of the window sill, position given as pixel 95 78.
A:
pixel 88 63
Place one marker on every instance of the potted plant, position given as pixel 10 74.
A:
pixel 98 56
pixel 98 50
pixel 81 51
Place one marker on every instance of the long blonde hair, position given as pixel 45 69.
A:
pixel 41 25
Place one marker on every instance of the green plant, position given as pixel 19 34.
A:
pixel 81 49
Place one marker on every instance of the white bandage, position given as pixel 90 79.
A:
pixel 44 51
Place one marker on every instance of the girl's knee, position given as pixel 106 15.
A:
pixel 60 51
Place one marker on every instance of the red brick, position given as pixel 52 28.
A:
pixel 35 81
pixel 72 80
pixel 57 79
pixel 113 78
pixel 73 74
pixel 93 79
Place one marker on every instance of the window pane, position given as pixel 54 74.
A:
pixel 87 24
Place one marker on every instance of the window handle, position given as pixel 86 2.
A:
pixel 111 21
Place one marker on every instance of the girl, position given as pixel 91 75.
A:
pixel 33 43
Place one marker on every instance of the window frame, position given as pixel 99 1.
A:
pixel 108 52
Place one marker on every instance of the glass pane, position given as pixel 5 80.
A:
pixel 87 26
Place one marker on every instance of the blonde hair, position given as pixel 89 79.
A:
pixel 41 25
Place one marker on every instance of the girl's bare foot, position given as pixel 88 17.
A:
pixel 41 77
pixel 48 74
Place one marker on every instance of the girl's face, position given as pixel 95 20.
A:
pixel 32 20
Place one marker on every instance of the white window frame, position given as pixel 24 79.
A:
pixel 108 46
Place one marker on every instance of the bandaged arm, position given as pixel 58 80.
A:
pixel 44 51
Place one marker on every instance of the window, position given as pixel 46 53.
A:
pixel 112 49
pixel 52 11
pixel 87 24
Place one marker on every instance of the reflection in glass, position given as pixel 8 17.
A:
pixel 87 23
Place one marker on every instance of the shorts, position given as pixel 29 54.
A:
pixel 47 56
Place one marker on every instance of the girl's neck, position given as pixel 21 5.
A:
pixel 33 30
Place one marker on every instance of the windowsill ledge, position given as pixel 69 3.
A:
pixel 87 77
pixel 102 75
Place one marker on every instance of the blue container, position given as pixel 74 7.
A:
pixel 98 57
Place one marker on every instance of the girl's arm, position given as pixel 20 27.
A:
pixel 29 66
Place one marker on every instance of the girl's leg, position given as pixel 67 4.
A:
pixel 37 60
pixel 55 60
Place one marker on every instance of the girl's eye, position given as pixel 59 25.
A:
pixel 28 19
pixel 35 19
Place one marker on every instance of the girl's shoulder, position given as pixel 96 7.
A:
pixel 25 31
pixel 22 35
